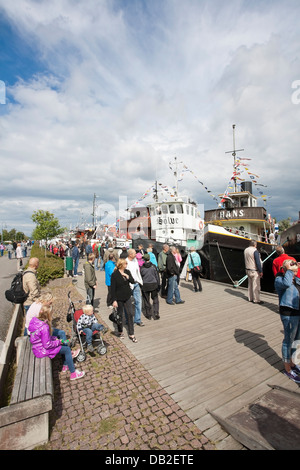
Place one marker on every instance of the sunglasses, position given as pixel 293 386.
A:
pixel 293 263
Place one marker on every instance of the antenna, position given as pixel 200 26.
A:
pixel 233 152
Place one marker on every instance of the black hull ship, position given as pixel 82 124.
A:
pixel 229 230
pixel 290 239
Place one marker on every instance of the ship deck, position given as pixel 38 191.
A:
pixel 216 352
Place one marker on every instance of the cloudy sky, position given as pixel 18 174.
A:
pixel 98 96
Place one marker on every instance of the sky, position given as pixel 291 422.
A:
pixel 97 97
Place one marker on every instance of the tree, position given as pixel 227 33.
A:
pixel 47 226
pixel 284 224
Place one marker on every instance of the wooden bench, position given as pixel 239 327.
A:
pixel 24 424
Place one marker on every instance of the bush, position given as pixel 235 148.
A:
pixel 50 266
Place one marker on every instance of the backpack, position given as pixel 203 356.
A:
pixel 16 293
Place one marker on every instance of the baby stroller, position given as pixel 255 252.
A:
pixel 74 315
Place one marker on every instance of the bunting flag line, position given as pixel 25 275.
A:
pixel 237 172
pixel 187 170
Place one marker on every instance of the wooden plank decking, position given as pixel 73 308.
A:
pixel 217 351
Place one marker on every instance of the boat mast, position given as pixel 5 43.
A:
pixel 175 176
pixel 233 152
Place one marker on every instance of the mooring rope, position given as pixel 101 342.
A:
pixel 238 283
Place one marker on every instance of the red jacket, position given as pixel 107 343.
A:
pixel 277 263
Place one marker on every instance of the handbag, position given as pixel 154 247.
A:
pixel 196 269
pixel 115 317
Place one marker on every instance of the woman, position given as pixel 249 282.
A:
pixel 121 296
pixel 287 285
pixel 45 299
pixel 46 345
pixel 109 269
pixel 19 255
pixel 194 262
pixel 151 286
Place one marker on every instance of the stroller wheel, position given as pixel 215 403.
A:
pixel 102 350
pixel 81 356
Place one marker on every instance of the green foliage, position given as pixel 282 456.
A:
pixel 284 224
pixel 13 235
pixel 47 226
pixel 50 266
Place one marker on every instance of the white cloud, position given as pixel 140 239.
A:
pixel 129 85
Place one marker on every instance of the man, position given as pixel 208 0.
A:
pixel 172 269
pixel 75 256
pixel 133 267
pixel 110 251
pixel 31 284
pixel 281 257
pixel 90 279
pixel 162 260
pixel 254 272
pixel 88 249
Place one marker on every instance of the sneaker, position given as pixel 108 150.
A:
pixel 77 375
pixel 65 368
pixel 180 302
pixel 293 376
pixel 140 323
pixel 296 369
pixel 90 348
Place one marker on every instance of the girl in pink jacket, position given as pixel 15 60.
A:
pixel 43 344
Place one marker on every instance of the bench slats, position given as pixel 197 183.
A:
pixel 33 377
pixel 30 377
pixel 18 377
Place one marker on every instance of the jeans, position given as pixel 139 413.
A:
pixel 137 302
pixel 125 309
pixel 90 292
pixel 89 331
pixel 96 263
pixel 76 262
pixel 173 290
pixel 59 333
pixel 66 352
pixel 291 326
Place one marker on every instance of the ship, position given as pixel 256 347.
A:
pixel 173 220
pixel 229 230
pixel 290 240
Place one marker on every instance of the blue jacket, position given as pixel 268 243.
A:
pixel 194 258
pixel 153 258
pixel 109 269
pixel 287 291
pixel 75 252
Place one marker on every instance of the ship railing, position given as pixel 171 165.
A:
pixel 245 234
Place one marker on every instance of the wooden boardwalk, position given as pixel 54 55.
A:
pixel 217 351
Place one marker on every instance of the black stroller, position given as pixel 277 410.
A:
pixel 74 315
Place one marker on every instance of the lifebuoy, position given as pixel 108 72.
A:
pixel 201 225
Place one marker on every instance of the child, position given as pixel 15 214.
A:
pixel 89 323
pixel 43 344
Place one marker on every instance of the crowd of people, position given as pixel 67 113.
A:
pixel 133 278
pixel 133 281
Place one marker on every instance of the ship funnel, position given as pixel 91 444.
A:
pixel 246 186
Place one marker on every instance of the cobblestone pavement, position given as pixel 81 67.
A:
pixel 118 405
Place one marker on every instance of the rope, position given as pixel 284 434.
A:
pixel 238 283
pixel 224 263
